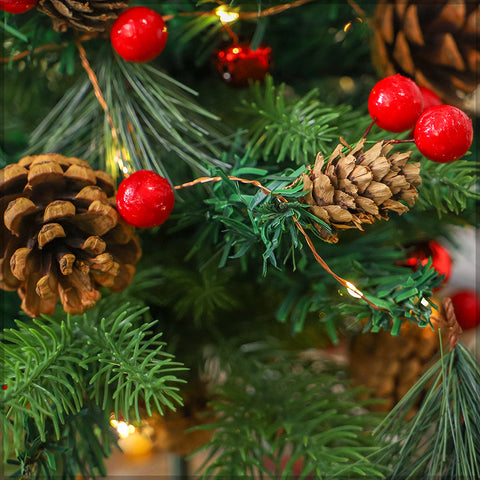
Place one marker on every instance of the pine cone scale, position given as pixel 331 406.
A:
pixel 56 248
pixel 434 43
pixel 87 15
pixel 350 190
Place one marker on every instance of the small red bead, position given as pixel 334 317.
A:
pixel 466 304
pixel 139 34
pixel 17 6
pixel 395 103
pixel 4 387
pixel 238 64
pixel 443 133
pixel 145 199
pixel 430 98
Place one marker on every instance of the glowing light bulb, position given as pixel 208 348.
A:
pixel 353 290
pixel 123 429
pixel 424 302
pixel 226 16
pixel 347 26
pixel 235 50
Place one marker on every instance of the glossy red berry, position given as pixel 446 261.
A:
pixel 395 103
pixel 17 6
pixel 139 34
pixel 467 308
pixel 145 199
pixel 430 98
pixel 441 259
pixel 443 133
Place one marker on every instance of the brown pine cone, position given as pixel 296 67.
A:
pixel 435 42
pixel 62 237
pixel 84 15
pixel 390 366
pixel 349 190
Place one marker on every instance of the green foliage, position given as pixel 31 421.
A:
pixel 442 440
pixel 447 187
pixel 50 373
pixel 85 440
pixel 295 129
pixel 275 407
pixel 154 117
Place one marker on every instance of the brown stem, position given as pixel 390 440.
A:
pixel 367 131
pixel 96 88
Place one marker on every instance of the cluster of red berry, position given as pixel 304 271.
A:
pixel 442 133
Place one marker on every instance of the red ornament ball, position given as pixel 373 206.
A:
pixel 430 98
pixel 467 308
pixel 145 199
pixel 139 34
pixel 17 6
pixel 443 133
pixel 441 259
pixel 238 64
pixel 395 103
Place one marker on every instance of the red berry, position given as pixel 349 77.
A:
pixel 4 387
pixel 139 34
pixel 441 259
pixel 17 6
pixel 430 98
pixel 145 199
pixel 467 308
pixel 395 103
pixel 443 133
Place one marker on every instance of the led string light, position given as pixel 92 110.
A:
pixel 123 428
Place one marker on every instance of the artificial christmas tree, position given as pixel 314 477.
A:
pixel 274 222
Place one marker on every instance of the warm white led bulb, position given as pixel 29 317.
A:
pixel 225 15
pixel 353 290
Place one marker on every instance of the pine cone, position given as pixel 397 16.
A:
pixel 360 187
pixel 62 236
pixel 389 365
pixel 84 15
pixel 434 42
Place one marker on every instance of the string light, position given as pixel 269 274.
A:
pixel 226 16
pixel 424 302
pixel 123 428
pixel 353 290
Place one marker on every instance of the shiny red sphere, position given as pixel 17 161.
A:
pixel 17 6
pixel 443 133
pixel 139 34
pixel 430 98
pixel 395 103
pixel 145 199
pixel 238 64
pixel 466 304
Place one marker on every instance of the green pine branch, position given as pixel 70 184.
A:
pixel 156 120
pixel 296 129
pixel 86 439
pixel 49 373
pixel 442 440
pixel 274 420
pixel 447 187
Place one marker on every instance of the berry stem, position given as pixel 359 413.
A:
pixel 367 131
